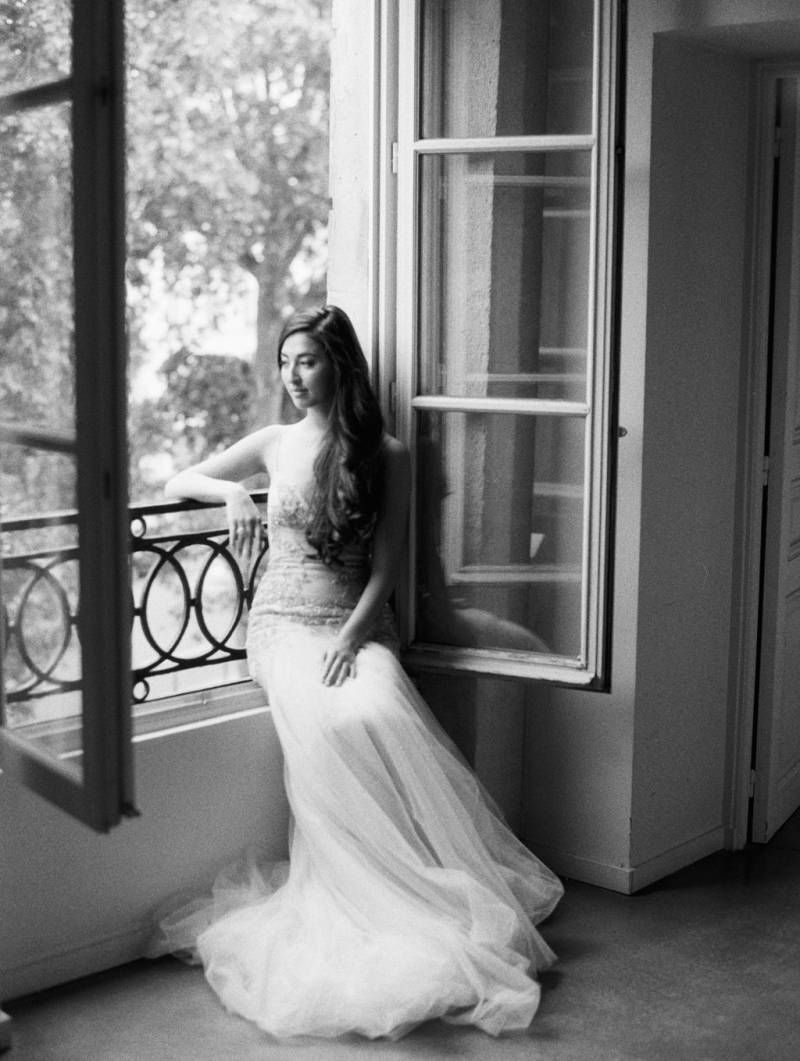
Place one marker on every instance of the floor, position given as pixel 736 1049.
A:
pixel 703 966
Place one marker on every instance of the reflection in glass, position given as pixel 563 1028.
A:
pixel 505 252
pixel 35 43
pixel 532 59
pixel 36 288
pixel 500 531
pixel 40 593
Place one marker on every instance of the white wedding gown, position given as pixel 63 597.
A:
pixel 406 897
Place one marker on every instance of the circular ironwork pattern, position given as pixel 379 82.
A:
pixel 192 601
pixel 165 558
pixel 42 672
pixel 168 557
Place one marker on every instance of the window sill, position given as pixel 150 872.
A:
pixel 502 664
pixel 159 718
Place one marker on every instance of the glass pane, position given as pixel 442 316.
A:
pixel 500 532
pixel 39 589
pixel 228 200
pixel 532 59
pixel 35 43
pixel 36 289
pixel 505 253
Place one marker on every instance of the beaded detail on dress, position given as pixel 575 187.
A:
pixel 297 587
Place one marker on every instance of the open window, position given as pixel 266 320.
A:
pixel 65 584
pixel 506 175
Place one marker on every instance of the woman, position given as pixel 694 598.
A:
pixel 406 896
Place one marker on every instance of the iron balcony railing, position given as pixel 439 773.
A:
pixel 189 598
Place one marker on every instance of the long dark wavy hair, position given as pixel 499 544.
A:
pixel 348 467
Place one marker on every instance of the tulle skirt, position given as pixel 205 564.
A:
pixel 405 898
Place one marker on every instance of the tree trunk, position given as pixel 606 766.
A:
pixel 271 404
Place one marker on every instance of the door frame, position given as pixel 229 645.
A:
pixel 747 582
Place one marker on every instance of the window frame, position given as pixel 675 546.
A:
pixel 95 90
pixel 592 668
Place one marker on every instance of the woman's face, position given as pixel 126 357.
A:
pixel 306 372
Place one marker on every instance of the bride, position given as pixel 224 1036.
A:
pixel 406 897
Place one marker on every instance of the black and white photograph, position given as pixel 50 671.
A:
pixel 400 530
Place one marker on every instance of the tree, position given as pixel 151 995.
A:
pixel 228 135
pixel 227 127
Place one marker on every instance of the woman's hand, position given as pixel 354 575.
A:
pixel 245 530
pixel 339 661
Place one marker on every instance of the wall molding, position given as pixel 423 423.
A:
pixel 630 879
pixel 60 966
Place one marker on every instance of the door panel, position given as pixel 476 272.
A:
pixel 777 792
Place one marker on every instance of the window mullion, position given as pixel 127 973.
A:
pixel 54 441
pixel 99 220
pixel 520 406
pixel 502 144
pixel 37 96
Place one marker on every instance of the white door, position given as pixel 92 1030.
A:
pixel 777 782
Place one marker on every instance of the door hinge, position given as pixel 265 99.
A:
pixel 751 786
pixel 777 140
pixel 394 157
pixel 393 397
pixel 765 470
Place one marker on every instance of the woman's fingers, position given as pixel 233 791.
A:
pixel 245 540
pixel 337 667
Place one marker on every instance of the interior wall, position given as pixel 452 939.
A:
pixel 623 787
pixel 73 902
pixel 695 312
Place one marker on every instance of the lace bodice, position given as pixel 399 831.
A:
pixel 287 516
pixel 297 587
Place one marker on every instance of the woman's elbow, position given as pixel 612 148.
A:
pixel 172 487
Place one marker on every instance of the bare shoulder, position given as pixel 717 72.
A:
pixel 396 452
pixel 396 470
pixel 266 438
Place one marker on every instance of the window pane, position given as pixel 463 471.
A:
pixel 228 200
pixel 505 253
pixel 35 42
pixel 40 577
pixel 500 532
pixel 532 59
pixel 40 571
pixel 36 288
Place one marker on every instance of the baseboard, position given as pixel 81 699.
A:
pixel 59 967
pixel 5 1032
pixel 587 870
pixel 678 857
pixel 630 879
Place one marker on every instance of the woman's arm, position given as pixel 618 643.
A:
pixel 387 554
pixel 218 479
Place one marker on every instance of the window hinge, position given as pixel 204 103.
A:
pixel 765 470
pixel 394 157
pixel 776 142
pixel 751 787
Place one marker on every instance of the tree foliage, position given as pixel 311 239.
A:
pixel 227 139
pixel 228 135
